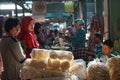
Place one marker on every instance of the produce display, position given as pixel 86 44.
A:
pixel 114 68
pixel 97 70
pixel 60 65
pixel 50 65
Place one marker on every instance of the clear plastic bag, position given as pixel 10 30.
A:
pixel 79 69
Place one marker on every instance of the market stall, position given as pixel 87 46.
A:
pixel 52 65
pixel 61 65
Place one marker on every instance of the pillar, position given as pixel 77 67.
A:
pixel 105 14
pixel 99 10
pixel 114 19
pixel 16 10
pixel 76 9
pixel 83 10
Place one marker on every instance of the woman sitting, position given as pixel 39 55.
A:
pixel 107 51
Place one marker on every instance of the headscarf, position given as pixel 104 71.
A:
pixel 80 21
pixel 27 36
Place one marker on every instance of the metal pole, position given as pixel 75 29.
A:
pixel 16 10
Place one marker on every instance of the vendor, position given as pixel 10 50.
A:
pixel 79 39
pixel 107 51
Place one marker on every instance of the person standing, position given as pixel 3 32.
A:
pixel 27 35
pixel 39 34
pixel 96 44
pixel 11 51
pixel 79 39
